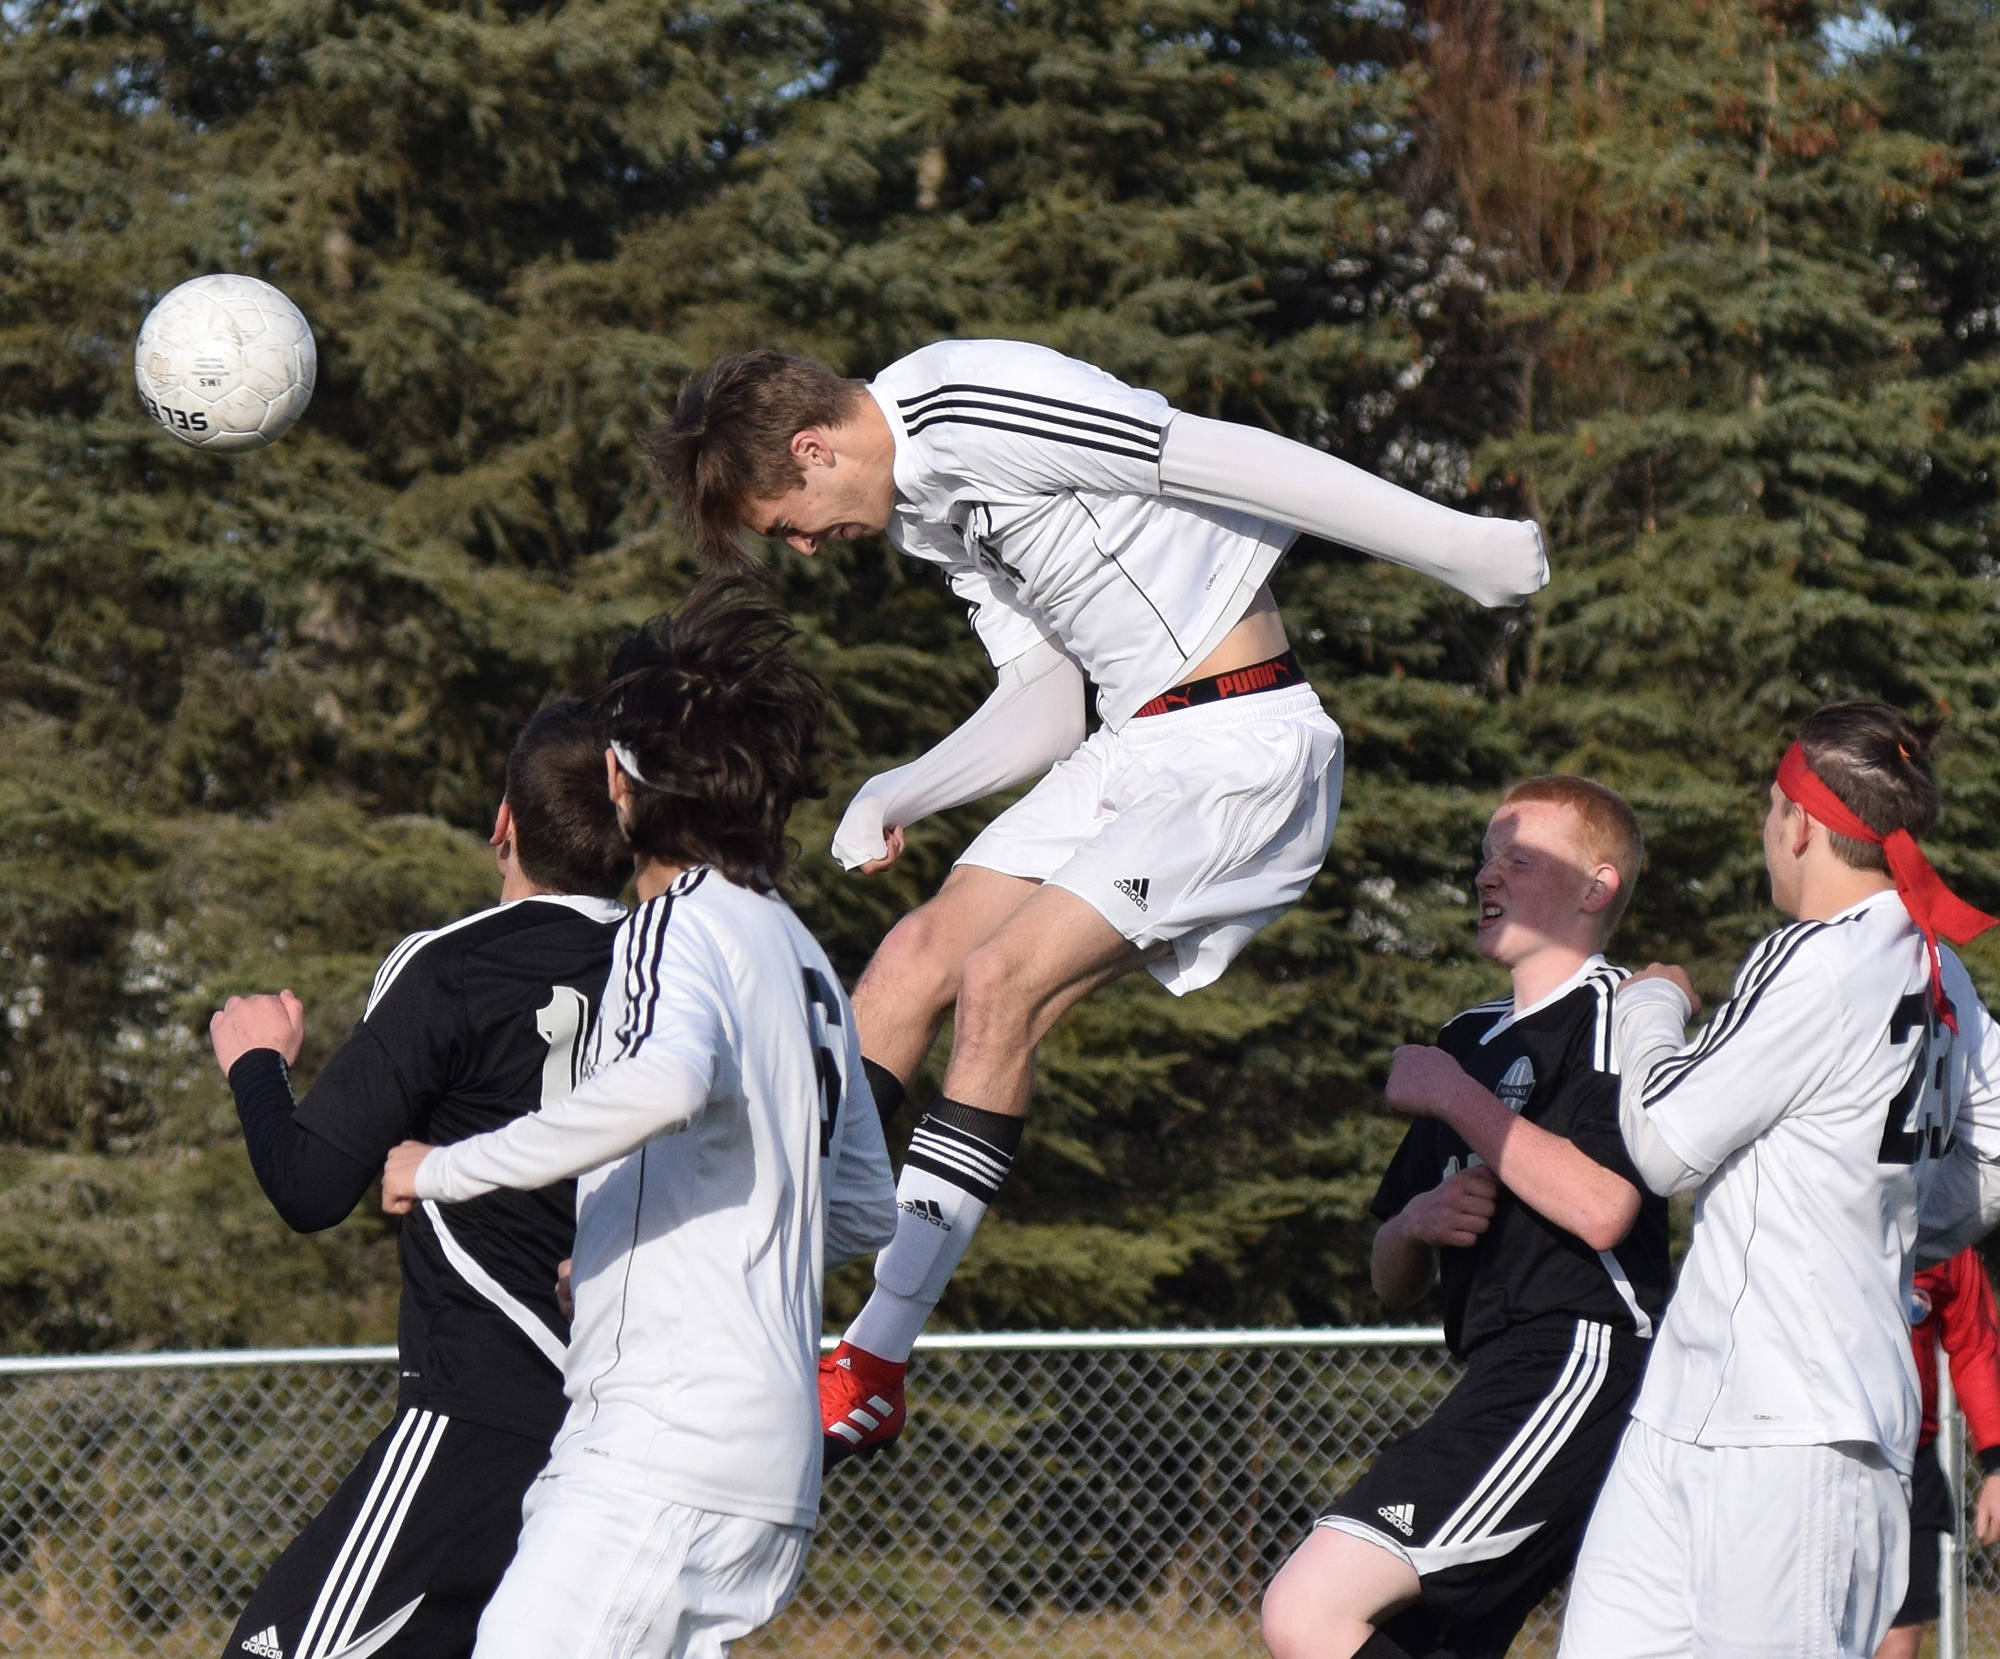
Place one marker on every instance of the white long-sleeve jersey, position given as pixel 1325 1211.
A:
pixel 1811 1114
pixel 728 1147
pixel 1062 503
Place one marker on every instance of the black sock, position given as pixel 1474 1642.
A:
pixel 887 1088
pixel 1379 1646
pixel 965 1145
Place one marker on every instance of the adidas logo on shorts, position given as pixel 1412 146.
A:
pixel 264 1644
pixel 1135 889
pixel 1401 1516
pixel 925 1209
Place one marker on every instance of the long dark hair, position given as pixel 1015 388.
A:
pixel 721 724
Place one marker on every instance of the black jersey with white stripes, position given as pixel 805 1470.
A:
pixel 1553 1064
pixel 467 1028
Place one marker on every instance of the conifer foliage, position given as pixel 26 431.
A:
pixel 1709 287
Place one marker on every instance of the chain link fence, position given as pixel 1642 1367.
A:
pixel 1076 1496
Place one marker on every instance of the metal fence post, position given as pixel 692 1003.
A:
pixel 1951 1633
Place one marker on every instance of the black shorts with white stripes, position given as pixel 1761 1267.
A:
pixel 1487 1499
pixel 406 1553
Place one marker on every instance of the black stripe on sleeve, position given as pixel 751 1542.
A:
pixel 1730 1019
pixel 956 390
pixel 1748 979
pixel 947 417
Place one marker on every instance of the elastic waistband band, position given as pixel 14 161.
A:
pixel 1269 675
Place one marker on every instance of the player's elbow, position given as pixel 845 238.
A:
pixel 1398 1294
pixel 312 1213
pixel 1607 1220
pixel 1400 1276
pixel 1603 1235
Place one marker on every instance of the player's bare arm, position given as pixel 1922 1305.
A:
pixel 262 1021
pixel 1452 1215
pixel 1551 1175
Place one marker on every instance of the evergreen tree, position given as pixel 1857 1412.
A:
pixel 1739 438
pixel 1709 288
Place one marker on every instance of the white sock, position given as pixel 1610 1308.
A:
pixel 935 1222
pixel 958 1157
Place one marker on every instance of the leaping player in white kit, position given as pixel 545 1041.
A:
pixel 1096 533
pixel 1759 1501
pixel 731 1145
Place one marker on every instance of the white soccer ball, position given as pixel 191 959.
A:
pixel 225 363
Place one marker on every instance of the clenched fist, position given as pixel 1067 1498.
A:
pixel 1456 1211
pixel 264 1021
pixel 399 1176
pixel 1422 1081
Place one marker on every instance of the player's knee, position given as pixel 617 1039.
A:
pixel 997 995
pixel 917 962
pixel 1325 1598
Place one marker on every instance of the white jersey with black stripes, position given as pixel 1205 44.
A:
pixel 732 1147
pixel 1813 1107
pixel 1033 481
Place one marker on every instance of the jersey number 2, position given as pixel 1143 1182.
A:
pixel 823 1010
pixel 561 1022
pixel 1916 1126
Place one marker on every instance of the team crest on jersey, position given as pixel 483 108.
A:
pixel 1919 1308
pixel 1517 1085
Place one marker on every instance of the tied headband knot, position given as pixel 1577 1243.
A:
pixel 1934 907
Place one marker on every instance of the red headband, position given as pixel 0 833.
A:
pixel 1934 907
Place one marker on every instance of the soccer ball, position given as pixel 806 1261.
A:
pixel 225 363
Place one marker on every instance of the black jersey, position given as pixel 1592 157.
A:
pixel 468 1028
pixel 1554 1065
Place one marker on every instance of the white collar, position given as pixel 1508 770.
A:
pixel 1860 905
pixel 1590 966
pixel 598 910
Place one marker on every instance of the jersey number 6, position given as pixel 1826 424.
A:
pixel 823 1010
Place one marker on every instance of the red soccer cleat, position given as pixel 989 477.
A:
pixel 860 1403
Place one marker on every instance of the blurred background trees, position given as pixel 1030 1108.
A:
pixel 1709 286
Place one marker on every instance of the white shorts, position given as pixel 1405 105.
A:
pixel 1193 828
pixel 602 1572
pixel 1754 1552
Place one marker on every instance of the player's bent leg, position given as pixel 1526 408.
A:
pixel 1194 831
pixel 1052 950
pixel 1328 1598
pixel 406 1552
pixel 912 980
pixel 902 998
pixel 1050 954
